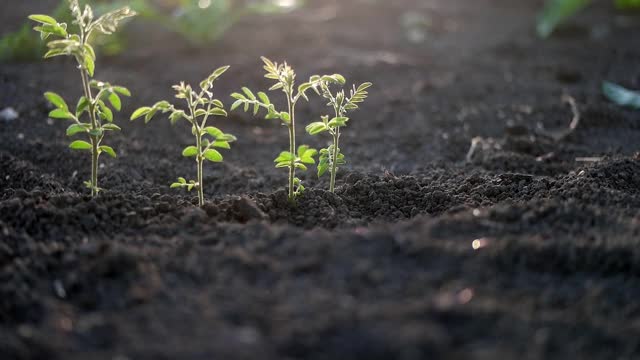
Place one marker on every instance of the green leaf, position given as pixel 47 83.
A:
pixel 221 144
pixel 338 121
pixel 555 12
pixel 89 51
pixel 60 114
pixel 108 150
pixel 264 98
pixel 111 127
pixel 627 4
pixel 108 23
pixel 44 19
pixel 190 151
pixel 114 99
pixel 182 180
pixel 105 112
pixel 322 168
pixel 620 95
pixel 90 65
pixel 316 128
pixel 249 94
pixel 122 90
pixel 176 185
pixel 95 132
pixel 236 104
pixel 285 156
pixel 217 112
pixel 83 105
pixel 217 103
pixel 285 117
pixel 77 128
pixel 80 145
pixel 56 100
pixel 238 96
pixel 140 112
pixel 300 166
pixel 213 155
pixel 276 86
pixel 176 115
pixel 214 131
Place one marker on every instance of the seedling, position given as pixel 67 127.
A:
pixel 200 105
pixel 284 77
pixel 331 157
pixel 100 116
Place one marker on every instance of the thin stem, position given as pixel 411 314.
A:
pixel 292 147
pixel 95 141
pixel 199 156
pixel 334 161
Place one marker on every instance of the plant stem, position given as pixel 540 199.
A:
pixel 292 149
pixel 95 141
pixel 334 162
pixel 199 159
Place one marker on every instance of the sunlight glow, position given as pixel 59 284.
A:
pixel 203 4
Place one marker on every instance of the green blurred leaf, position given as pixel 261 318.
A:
pixel 620 95
pixel 556 12
pixel 80 145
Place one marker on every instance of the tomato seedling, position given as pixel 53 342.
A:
pixel 331 156
pixel 100 117
pixel 200 105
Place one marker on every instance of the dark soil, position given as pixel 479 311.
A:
pixel 521 252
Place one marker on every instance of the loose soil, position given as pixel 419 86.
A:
pixel 521 252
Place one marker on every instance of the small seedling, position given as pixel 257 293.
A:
pixel 331 157
pixel 100 116
pixel 284 77
pixel 200 105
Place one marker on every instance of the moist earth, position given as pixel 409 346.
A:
pixel 525 247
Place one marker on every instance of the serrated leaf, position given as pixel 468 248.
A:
pixel 56 100
pixel 108 149
pixel 190 151
pixel 80 145
pixel 213 155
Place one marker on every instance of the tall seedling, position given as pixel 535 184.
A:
pixel 331 157
pixel 284 77
pixel 200 105
pixel 100 116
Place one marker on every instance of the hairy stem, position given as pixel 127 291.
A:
pixel 334 160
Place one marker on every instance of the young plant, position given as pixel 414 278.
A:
pixel 99 115
pixel 331 157
pixel 200 105
pixel 284 77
